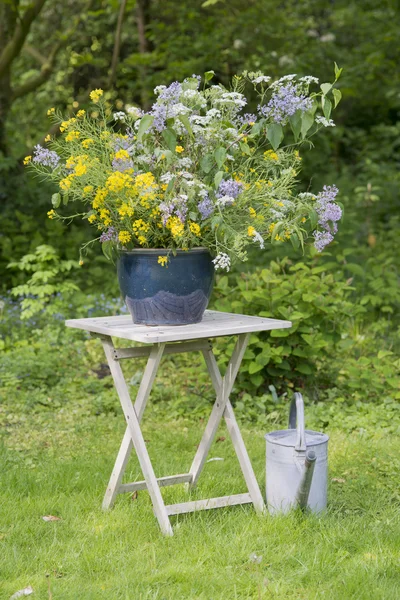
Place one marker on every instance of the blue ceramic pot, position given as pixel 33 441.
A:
pixel 176 294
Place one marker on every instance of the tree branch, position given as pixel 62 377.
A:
pixel 36 54
pixel 37 80
pixel 13 48
pixel 117 44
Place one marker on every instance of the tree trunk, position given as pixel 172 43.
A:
pixel 143 19
pixel 8 20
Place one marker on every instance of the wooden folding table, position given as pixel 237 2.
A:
pixel 169 339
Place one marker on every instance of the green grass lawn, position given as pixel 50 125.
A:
pixel 58 463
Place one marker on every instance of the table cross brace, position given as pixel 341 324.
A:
pixel 133 436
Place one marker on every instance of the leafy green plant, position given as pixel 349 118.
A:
pixel 48 277
pixel 317 301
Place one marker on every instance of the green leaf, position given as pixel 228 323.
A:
pixel 145 122
pixel 326 107
pixel 170 185
pixel 304 368
pixel 186 123
pixel 295 124
pixel 107 248
pixel 218 178
pixel 220 156
pixel 170 139
pixel 245 148
pixel 307 120
pixel 337 71
pixel 254 368
pixel 325 87
pixel 295 241
pixel 275 135
pixel 337 96
pixel 65 199
pixel 313 219
pixel 208 75
pixel 56 200
pixel 207 163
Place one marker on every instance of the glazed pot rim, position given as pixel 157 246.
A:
pixel 199 250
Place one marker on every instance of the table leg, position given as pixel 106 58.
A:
pixel 133 416
pixel 223 390
pixel 235 435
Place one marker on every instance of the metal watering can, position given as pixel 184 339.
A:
pixel 297 465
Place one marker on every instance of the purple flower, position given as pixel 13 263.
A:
pixel 166 211
pixel 328 211
pixel 109 236
pixel 122 164
pixel 45 157
pixel 248 118
pixel 122 143
pixel 284 103
pixel 230 187
pixel 328 215
pixel 206 207
pixel 322 239
pixel 171 94
pixel 159 111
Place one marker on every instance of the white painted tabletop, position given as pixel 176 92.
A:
pixel 213 324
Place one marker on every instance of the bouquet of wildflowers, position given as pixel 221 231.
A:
pixel 197 169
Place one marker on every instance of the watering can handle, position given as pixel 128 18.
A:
pixel 296 421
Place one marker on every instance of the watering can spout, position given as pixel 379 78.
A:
pixel 305 484
pixel 296 417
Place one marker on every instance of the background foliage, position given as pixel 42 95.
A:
pixel 344 304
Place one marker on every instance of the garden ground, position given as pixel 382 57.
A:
pixel 57 462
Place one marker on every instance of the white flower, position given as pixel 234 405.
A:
pixel 283 79
pixel 134 112
pixel 202 193
pixel 309 79
pixel 185 162
pixel 257 238
pixel 119 116
pixel 225 201
pixel 325 122
pixel 222 261
pixel 166 178
pixel 159 89
pixel 262 79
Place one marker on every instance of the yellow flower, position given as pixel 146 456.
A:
pixel 73 135
pixel 80 113
pixel 47 138
pixel 65 184
pixel 65 124
pixel 252 212
pixel 105 216
pixel 251 123
pixel 51 214
pixel 51 111
pixel 86 143
pixel 117 181
pixel 303 220
pixel 140 225
pixel 92 218
pixel 27 160
pixel 142 240
pixel 251 231
pixel 125 210
pixel 179 149
pixel 100 195
pixel 195 229
pixel 122 154
pixel 162 156
pixel 88 189
pixel 80 262
pixel 124 237
pixel 176 226
pixel 80 169
pixel 297 154
pixel 271 227
pixel 95 96
pixel 162 260
pixel 271 155
pixel 104 134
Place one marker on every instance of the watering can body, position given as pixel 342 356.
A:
pixel 297 465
